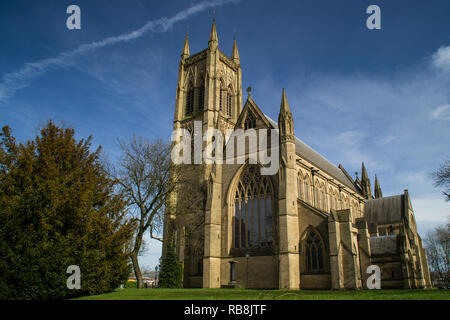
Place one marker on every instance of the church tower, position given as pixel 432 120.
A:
pixel 209 87
pixel 208 96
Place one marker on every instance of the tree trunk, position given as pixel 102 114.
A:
pixel 134 259
pixel 137 270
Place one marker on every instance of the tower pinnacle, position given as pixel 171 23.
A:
pixel 284 108
pixel 186 52
pixel 213 39
pixel 285 121
pixel 235 53
pixel 365 183
pixel 378 193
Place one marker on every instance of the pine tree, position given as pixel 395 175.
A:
pixel 58 207
pixel 171 275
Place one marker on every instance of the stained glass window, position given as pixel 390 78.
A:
pixel 252 227
pixel 314 253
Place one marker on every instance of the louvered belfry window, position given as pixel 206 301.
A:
pixel 190 101
pixel 201 98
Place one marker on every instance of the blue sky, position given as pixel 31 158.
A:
pixel 378 96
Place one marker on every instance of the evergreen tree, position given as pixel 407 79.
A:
pixel 58 207
pixel 171 275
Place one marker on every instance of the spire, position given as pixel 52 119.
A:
pixel 364 175
pixel 235 53
pixel 365 183
pixel 284 108
pixel 285 121
pixel 186 52
pixel 213 39
pixel 378 193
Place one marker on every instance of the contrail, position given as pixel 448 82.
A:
pixel 21 78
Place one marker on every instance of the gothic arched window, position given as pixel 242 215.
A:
pixel 314 252
pixel 229 101
pixel 323 199
pixel 300 187
pixel 316 203
pixel 201 97
pixel 355 208
pixel 253 210
pixel 306 189
pixel 190 99
pixel 332 199
pixel 222 94
pixel 345 203
pixel 250 122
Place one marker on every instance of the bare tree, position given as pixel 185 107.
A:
pixel 144 178
pixel 150 182
pixel 437 244
pixel 441 178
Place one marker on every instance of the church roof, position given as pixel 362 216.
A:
pixel 385 210
pixel 306 152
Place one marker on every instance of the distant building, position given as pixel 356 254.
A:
pixel 310 226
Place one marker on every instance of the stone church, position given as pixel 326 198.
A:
pixel 309 226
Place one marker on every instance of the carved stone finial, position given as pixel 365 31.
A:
pixel 249 90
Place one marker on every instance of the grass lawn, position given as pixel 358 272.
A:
pixel 243 294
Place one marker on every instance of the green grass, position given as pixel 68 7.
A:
pixel 242 294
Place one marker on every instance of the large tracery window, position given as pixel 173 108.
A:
pixel 253 210
pixel 314 253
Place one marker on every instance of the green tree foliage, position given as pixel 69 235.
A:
pixel 58 207
pixel 171 275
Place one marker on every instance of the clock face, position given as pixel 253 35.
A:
pixel 357 91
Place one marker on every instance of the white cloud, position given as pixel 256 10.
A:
pixel 22 77
pixel 441 58
pixel 441 113
pixel 383 140
pixel 414 178
pixel 383 121
pixel 350 138
pixel 430 208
